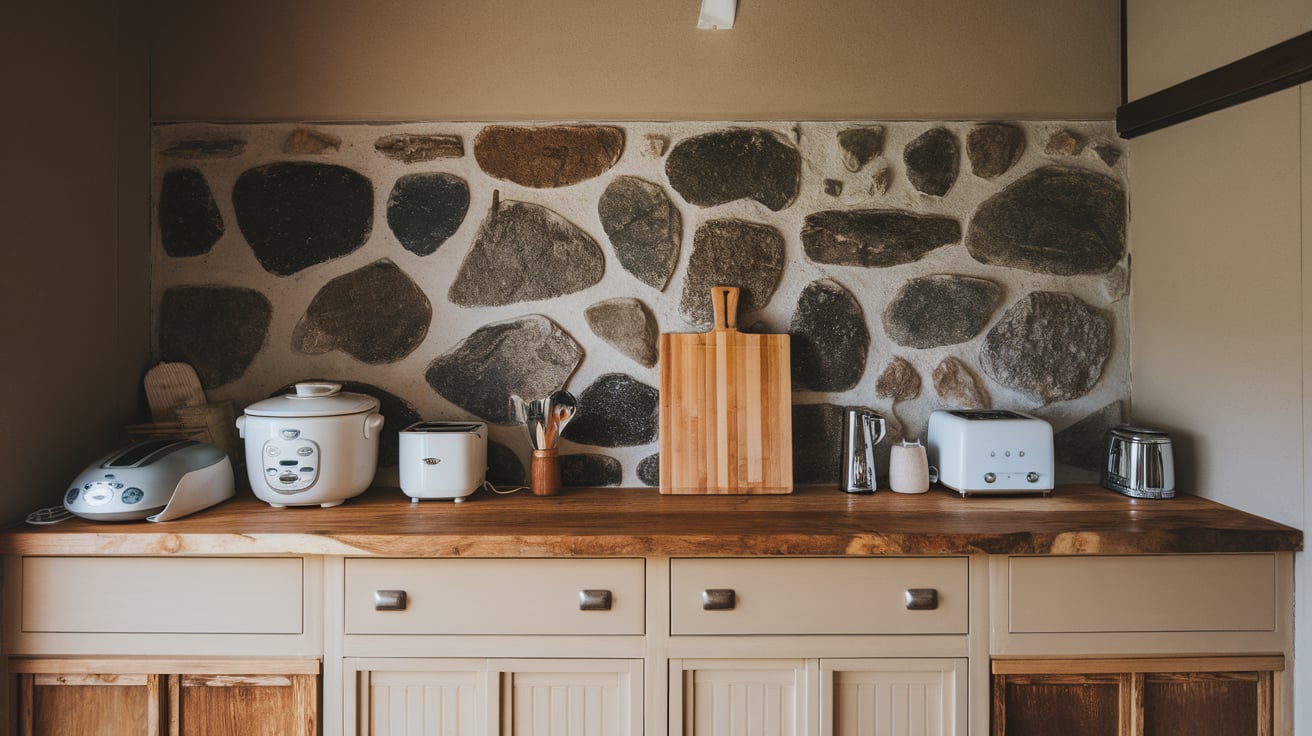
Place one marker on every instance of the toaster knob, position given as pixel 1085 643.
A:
pixel 990 477
pixel 1032 477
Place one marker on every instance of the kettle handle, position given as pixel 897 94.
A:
pixel 876 427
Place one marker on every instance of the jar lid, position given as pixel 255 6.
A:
pixel 314 399
pixel 1140 434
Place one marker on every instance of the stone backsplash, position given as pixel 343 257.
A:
pixel 443 267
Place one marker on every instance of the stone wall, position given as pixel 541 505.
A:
pixel 443 267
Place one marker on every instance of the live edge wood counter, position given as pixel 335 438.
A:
pixel 600 522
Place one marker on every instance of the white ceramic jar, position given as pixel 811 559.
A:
pixel 317 446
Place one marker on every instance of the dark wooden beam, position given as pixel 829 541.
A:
pixel 1278 67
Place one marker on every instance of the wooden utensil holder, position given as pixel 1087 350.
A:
pixel 544 475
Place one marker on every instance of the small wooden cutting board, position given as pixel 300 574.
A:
pixel 726 415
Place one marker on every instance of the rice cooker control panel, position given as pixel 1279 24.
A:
pixel 291 463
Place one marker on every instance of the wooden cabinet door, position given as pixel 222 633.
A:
pixel 893 697
pixel 570 697
pixel 94 704
pixel 251 705
pixel 1128 697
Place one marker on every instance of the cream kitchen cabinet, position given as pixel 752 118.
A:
pixel 800 605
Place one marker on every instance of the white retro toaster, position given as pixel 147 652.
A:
pixel 991 451
pixel 443 459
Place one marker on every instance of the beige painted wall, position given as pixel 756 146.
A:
pixel 1169 41
pixel 74 232
pixel 588 59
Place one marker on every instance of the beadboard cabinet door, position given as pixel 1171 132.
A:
pixel 893 697
pixel 502 697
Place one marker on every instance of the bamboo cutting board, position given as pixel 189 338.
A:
pixel 726 415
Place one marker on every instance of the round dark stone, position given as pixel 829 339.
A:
pixel 817 443
pixel 943 309
pixel 529 357
pixel 742 163
pixel 932 161
pixel 424 210
pixel 1083 444
pixel 1051 346
pixel 747 255
pixel 217 329
pixel 861 145
pixel 297 214
pixel 504 468
pixel 376 314
pixel 649 470
pixel 875 238
pixel 644 227
pixel 829 338
pixel 993 148
pixel 189 219
pixel 1053 220
pixel 615 411
pixel 590 469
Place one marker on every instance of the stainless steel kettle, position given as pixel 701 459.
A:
pixel 1140 462
pixel 862 430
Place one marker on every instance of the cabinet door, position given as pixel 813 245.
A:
pixel 893 697
pixel 252 705
pixel 472 697
pixel 105 704
pixel 740 697
pixel 1158 697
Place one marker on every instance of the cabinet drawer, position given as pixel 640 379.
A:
pixel 1142 593
pixel 495 596
pixel 819 596
pixel 163 595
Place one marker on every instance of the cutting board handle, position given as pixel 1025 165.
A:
pixel 724 300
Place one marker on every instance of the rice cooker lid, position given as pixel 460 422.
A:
pixel 314 399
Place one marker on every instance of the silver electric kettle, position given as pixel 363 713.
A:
pixel 862 430
pixel 1140 462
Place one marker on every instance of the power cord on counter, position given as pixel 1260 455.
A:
pixel 488 485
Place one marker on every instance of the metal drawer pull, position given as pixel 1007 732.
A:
pixel 594 600
pixel 718 599
pixel 922 599
pixel 390 600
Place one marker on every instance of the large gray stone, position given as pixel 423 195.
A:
pixel 747 255
pixel 1050 346
pixel 217 329
pixel 189 219
pixel 739 163
pixel 376 314
pixel 525 252
pixel 875 238
pixel 993 148
pixel 644 227
pixel 528 357
pixel 1083 444
pixel 958 385
pixel 297 214
pixel 413 148
pixel 933 160
pixel 829 338
pixel 628 325
pixel 899 381
pixel 590 469
pixel 424 210
pixel 1054 220
pixel 548 156
pixel 397 415
pixel 943 309
pixel 616 410
pixel 861 145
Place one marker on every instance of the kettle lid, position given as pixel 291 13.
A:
pixel 1139 434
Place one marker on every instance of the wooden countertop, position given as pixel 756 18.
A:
pixel 639 521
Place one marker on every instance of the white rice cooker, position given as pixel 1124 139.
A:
pixel 317 446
